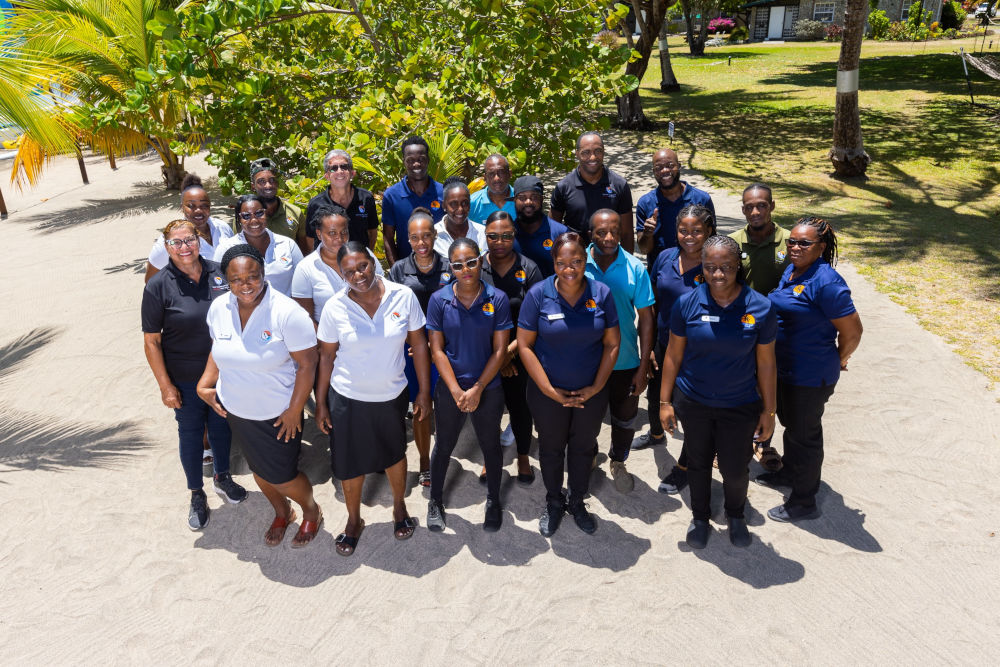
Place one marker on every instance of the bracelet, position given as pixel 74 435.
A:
pixel 665 403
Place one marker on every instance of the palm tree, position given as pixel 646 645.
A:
pixel 93 50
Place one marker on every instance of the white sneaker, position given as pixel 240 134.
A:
pixel 507 437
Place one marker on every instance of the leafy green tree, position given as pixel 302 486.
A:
pixel 649 18
pixel 292 79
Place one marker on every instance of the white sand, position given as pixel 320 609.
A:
pixel 98 566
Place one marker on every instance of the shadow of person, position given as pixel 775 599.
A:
pixel 421 554
pixel 611 547
pixel 314 458
pixel 511 545
pixel 643 503
pixel 839 523
pixel 758 565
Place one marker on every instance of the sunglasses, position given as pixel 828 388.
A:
pixel 259 213
pixel 468 264
pixel 802 243
pixel 337 167
pixel 506 236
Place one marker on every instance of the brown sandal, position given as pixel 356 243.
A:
pixel 307 532
pixel 768 457
pixel 276 533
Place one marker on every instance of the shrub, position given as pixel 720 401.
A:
pixel 721 25
pixel 897 31
pixel 834 32
pixel 809 30
pixel 952 15
pixel 740 34
pixel 916 20
pixel 951 33
pixel 878 25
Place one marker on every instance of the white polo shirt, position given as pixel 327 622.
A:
pixel 280 260
pixel 256 371
pixel 477 233
pixel 315 279
pixel 158 256
pixel 370 360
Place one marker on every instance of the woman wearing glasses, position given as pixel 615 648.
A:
pixel 469 325
pixel 514 274
pixel 176 341
pixel 818 330
pixel 281 254
pixel 196 208
pixel 568 338
pixel 720 355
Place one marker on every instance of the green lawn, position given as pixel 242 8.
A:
pixel 923 226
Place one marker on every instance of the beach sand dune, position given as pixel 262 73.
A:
pixel 98 566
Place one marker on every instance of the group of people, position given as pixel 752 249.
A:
pixel 490 304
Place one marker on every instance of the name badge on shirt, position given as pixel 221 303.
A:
pixel 709 318
pixel 224 336
pixel 551 317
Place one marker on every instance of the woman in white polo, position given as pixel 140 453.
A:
pixel 258 377
pixel 317 277
pixel 281 254
pixel 362 332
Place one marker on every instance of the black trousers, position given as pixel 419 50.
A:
pixel 486 423
pixel 653 401
pixel 623 407
pixel 566 434
pixel 514 397
pixel 800 410
pixel 726 432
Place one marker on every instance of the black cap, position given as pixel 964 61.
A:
pixel 528 184
pixel 263 164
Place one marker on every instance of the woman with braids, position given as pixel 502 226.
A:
pixel 676 272
pixel 258 377
pixel 196 207
pixel 721 356
pixel 281 254
pixel 818 330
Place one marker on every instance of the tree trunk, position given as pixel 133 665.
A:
pixel 82 164
pixel 668 80
pixel 848 153
pixel 696 43
pixel 172 170
pixel 630 113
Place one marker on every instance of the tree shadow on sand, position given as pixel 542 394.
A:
pixel 14 353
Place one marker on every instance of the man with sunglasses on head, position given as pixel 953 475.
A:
pixel 283 217
pixel 362 216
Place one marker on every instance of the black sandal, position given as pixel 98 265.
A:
pixel 345 544
pixel 403 530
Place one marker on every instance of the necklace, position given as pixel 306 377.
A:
pixel 423 267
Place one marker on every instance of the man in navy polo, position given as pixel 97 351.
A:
pixel 590 187
pixel 656 212
pixel 497 195
pixel 536 231
pixel 417 188
pixel 632 291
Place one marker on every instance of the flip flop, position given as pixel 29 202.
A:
pixel 403 530
pixel 280 524
pixel 307 532
pixel 345 544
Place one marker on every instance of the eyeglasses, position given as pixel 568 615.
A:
pixel 506 236
pixel 725 268
pixel 468 264
pixel 802 243
pixel 259 213
pixel 177 243
pixel 337 167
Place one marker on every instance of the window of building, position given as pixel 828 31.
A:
pixel 823 11
pixel 905 12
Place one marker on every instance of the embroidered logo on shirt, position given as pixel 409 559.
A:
pixel 609 191
pixel 781 256
pixel 488 308
pixel 445 277
pixel 265 336
pixel 547 244
pixel 744 255
pixel 798 289
pixel 699 279
pixel 748 321
pixel 591 306
pixel 218 280
pixel 395 315
pixel 361 210
pixel 519 275
pixel 284 259
pixel 435 204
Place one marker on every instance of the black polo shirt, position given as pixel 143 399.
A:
pixel 515 283
pixel 578 199
pixel 361 214
pixel 405 272
pixel 175 306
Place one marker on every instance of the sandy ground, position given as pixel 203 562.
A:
pixel 98 565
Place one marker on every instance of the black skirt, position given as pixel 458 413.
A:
pixel 366 436
pixel 275 461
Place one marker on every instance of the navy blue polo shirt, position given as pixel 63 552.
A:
pixel 719 368
pixel 578 199
pixel 806 347
pixel 468 332
pixel 665 234
pixel 570 338
pixel 669 284
pixel 398 203
pixel 538 246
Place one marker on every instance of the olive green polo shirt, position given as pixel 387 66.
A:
pixel 287 220
pixel 763 262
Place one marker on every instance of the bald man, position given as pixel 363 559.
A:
pixel 498 195
pixel 656 212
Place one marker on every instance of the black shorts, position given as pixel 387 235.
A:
pixel 275 461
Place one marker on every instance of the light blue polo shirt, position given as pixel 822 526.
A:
pixel 630 286
pixel 481 207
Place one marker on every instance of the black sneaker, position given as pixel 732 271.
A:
pixel 674 482
pixel 774 480
pixel 435 516
pixel 198 514
pixel 790 513
pixel 494 516
pixel 229 490
pixel 697 535
pixel 583 518
pixel 551 518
